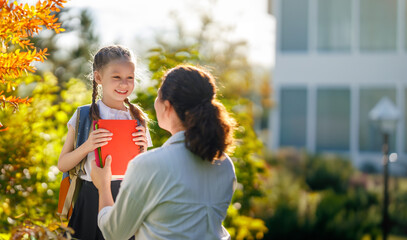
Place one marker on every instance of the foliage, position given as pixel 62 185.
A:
pixel 319 171
pixel 348 216
pixel 17 23
pixel 161 60
pixel 35 230
pixel 324 197
pixel 227 57
pixel 29 150
pixel 250 165
pixel 69 61
pixel 324 172
pixel 398 209
pixel 244 227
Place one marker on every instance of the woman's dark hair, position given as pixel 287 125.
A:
pixel 103 57
pixel 192 93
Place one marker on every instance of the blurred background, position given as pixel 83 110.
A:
pixel 318 87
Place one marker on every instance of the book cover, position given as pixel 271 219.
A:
pixel 122 147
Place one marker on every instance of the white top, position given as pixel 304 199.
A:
pixel 170 193
pixel 105 113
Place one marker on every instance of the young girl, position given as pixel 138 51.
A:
pixel 113 70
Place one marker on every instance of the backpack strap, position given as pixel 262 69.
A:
pixel 82 130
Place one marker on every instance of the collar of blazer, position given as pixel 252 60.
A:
pixel 179 137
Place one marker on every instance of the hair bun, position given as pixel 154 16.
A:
pixel 208 126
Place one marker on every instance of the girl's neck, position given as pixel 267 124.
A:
pixel 119 105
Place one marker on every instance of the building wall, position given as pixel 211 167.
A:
pixel 335 59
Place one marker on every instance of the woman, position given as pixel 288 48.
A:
pixel 182 189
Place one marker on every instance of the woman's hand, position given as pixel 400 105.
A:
pixel 101 177
pixel 98 138
pixel 140 138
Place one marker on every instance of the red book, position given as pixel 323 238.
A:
pixel 122 147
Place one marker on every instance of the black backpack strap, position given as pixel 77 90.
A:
pixel 82 130
pixel 84 124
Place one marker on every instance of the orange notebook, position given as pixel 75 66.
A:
pixel 122 147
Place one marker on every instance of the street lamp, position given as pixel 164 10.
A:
pixel 385 114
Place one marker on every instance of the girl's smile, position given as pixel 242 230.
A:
pixel 122 92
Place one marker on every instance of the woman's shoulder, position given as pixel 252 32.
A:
pixel 229 162
pixel 225 160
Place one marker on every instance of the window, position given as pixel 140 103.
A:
pixel 293 120
pixel 294 25
pixel 333 119
pixel 378 25
pixel 370 138
pixel 334 25
pixel 405 27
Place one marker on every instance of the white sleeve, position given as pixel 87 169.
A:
pixel 148 136
pixel 72 121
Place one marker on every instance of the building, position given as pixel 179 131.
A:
pixel 335 59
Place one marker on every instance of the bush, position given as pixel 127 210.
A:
pixel 328 172
pixel 317 197
pixel 398 211
pixel 347 216
pixel 29 152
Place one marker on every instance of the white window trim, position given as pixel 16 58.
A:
pixel 401 15
pixel 311 118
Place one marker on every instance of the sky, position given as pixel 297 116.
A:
pixel 125 20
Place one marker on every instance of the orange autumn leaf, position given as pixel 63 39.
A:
pixel 3 128
pixel 19 22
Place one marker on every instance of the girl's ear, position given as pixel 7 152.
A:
pixel 97 77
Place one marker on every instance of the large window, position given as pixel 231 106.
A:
pixel 333 119
pixel 293 120
pixel 334 25
pixel 378 25
pixel 370 138
pixel 294 25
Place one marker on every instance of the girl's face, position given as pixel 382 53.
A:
pixel 117 80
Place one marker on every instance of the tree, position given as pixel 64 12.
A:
pixel 67 62
pixel 18 22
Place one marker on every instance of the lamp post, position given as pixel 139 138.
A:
pixel 385 114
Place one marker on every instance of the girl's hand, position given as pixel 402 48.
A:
pixel 101 177
pixel 98 138
pixel 140 138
